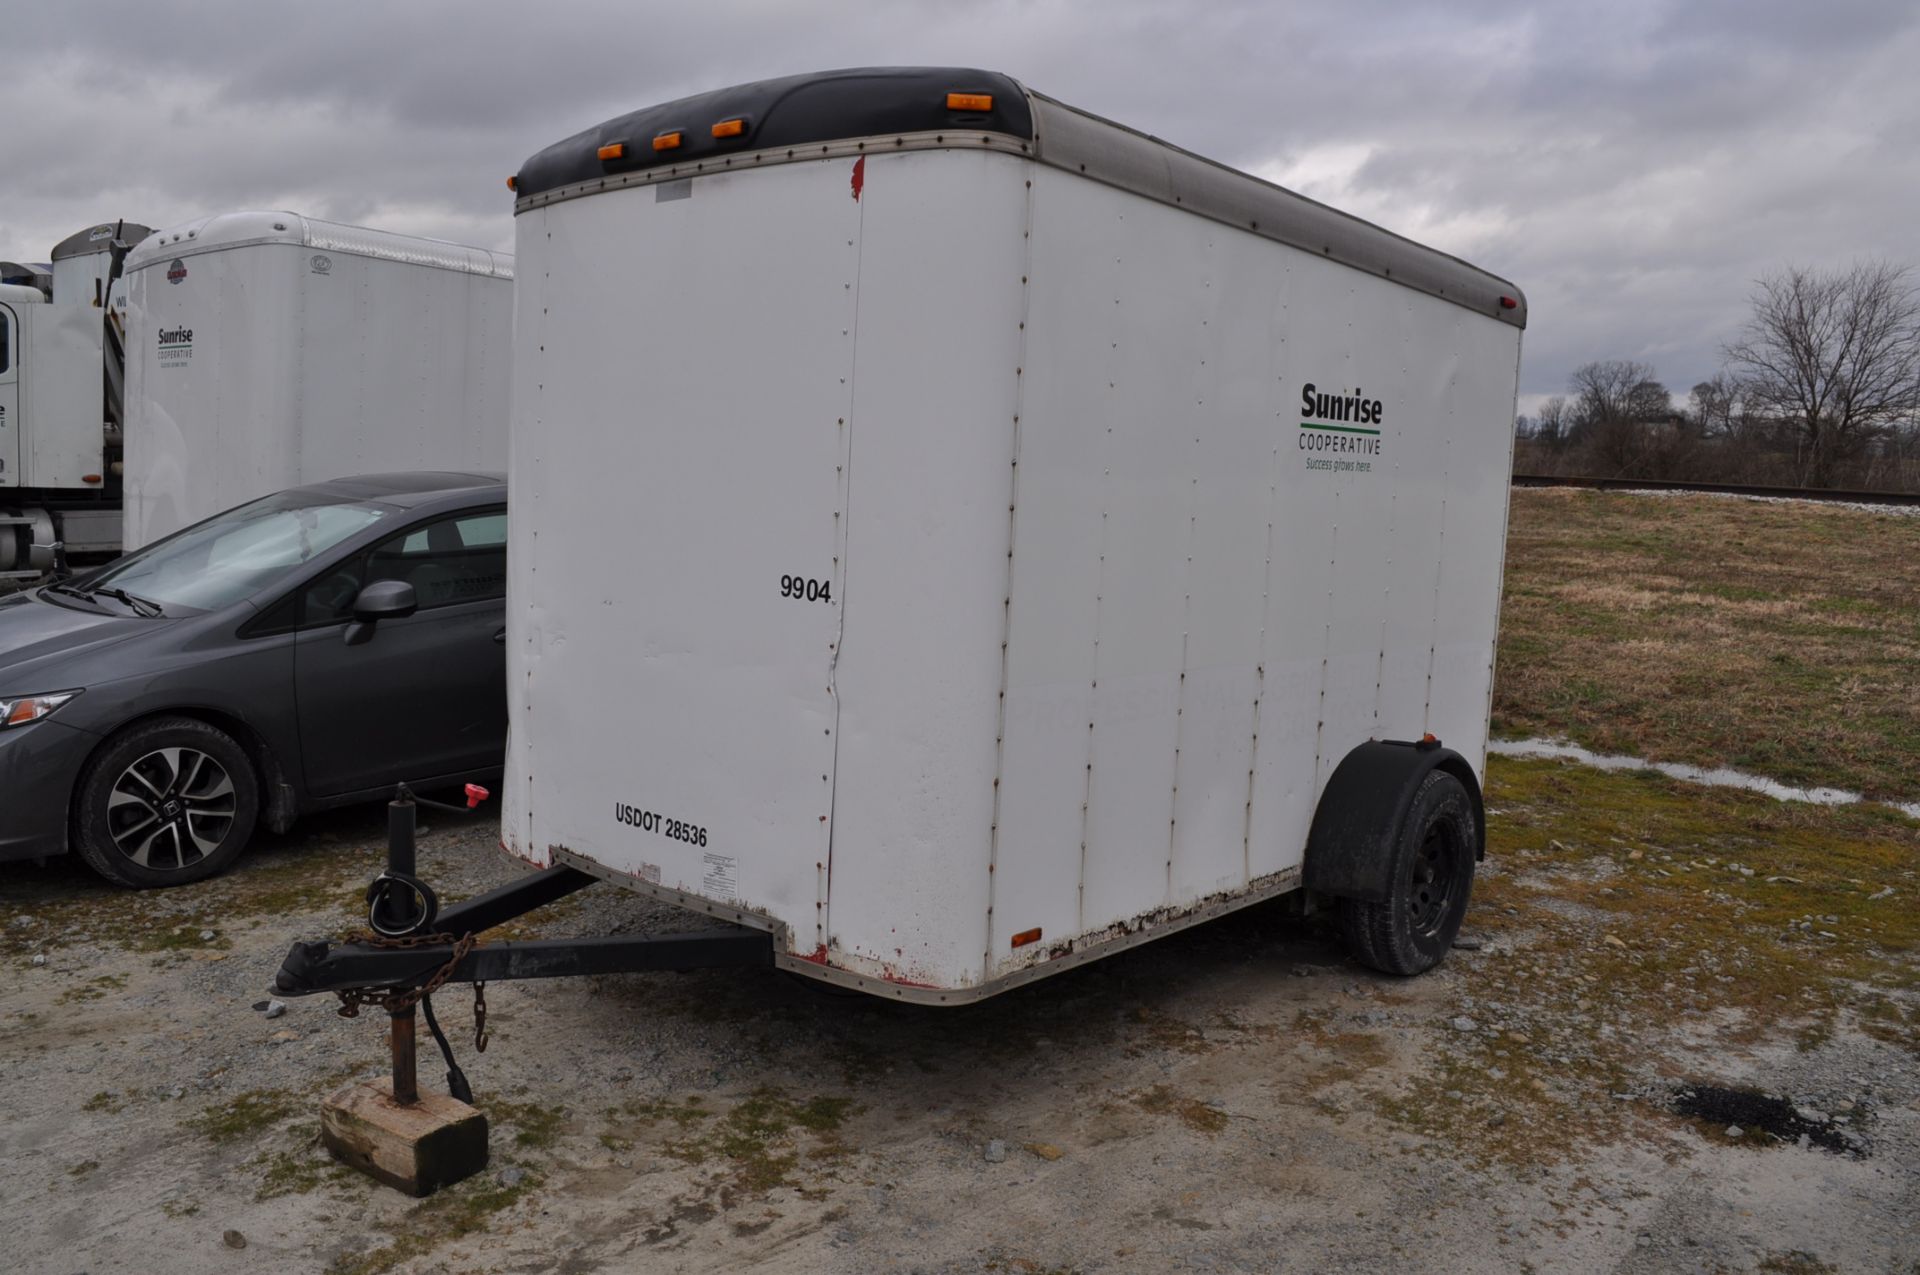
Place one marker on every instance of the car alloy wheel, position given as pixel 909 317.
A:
pixel 171 808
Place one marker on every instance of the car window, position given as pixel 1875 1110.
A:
pixel 453 560
pixel 221 560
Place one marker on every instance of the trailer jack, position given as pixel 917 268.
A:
pixel 419 1142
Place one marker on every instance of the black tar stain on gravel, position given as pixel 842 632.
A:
pixel 1753 1110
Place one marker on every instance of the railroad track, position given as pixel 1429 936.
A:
pixel 1725 489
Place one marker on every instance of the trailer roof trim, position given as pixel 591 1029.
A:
pixel 99 238
pixel 244 229
pixel 829 113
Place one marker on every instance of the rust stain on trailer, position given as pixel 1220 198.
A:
pixel 1220 902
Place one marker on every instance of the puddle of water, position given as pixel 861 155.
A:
pixel 1717 777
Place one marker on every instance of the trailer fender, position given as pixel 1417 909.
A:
pixel 1363 807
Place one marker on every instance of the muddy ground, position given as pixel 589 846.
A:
pixel 1239 1097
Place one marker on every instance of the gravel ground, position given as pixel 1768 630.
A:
pixel 1235 1098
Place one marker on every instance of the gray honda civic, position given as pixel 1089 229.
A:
pixel 309 649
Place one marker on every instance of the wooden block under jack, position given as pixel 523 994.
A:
pixel 418 1148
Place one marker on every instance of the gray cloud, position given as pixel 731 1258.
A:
pixel 1633 166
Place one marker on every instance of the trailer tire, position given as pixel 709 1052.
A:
pixel 175 791
pixel 1430 878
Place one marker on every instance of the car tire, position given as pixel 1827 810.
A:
pixel 165 802
pixel 1430 879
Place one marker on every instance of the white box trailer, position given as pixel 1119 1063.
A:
pixel 961 536
pixel 267 350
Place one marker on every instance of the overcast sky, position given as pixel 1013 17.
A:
pixel 1633 164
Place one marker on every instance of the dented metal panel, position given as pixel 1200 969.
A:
pixel 679 476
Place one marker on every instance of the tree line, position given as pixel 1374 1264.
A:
pixel 1820 388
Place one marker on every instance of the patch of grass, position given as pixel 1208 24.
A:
pixel 1777 638
pixel 104 1102
pixel 688 1112
pixel 453 1213
pixel 1163 1032
pixel 759 1141
pixel 1629 908
pixel 83 1168
pixel 244 1115
pixel 301 1170
pixel 1161 1100
pixel 71 908
pixel 179 1208
pixel 93 989
pixel 1795 1262
pixel 533 1124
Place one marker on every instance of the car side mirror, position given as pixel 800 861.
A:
pixel 381 600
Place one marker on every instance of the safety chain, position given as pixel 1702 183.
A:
pixel 399 1000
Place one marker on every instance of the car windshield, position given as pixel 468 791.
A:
pixel 228 557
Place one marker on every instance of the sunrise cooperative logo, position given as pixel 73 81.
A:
pixel 1339 422
pixel 177 271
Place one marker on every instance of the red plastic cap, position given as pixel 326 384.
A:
pixel 475 795
pixel 1508 303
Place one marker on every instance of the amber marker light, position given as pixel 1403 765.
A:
pixel 667 142
pixel 729 128
pixel 513 183
pixel 616 150
pixel 1025 937
pixel 969 101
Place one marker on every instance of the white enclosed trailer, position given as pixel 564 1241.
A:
pixel 960 535
pixel 61 359
pixel 267 349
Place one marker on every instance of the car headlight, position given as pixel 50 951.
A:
pixel 22 709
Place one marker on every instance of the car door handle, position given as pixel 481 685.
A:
pixel 501 637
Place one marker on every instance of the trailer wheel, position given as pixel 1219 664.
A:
pixel 1431 877
pixel 165 802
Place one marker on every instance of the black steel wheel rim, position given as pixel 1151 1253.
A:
pixel 1436 879
pixel 171 808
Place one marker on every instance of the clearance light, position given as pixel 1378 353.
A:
pixel 617 150
pixel 31 708
pixel 1025 937
pixel 729 128
pixel 89 478
pixel 667 142
pixel 969 101
pixel 1508 303
pixel 513 183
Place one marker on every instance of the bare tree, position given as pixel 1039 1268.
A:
pixel 1616 391
pixel 1835 355
pixel 1550 426
pixel 1716 406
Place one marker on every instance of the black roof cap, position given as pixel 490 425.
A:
pixel 794 110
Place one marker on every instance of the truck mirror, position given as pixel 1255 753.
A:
pixel 381 600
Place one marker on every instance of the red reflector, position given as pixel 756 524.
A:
pixel 1025 937
pixel 1508 303
pixel 89 478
